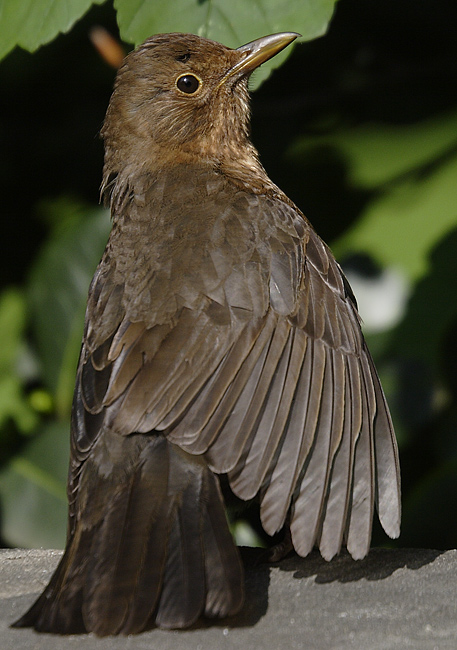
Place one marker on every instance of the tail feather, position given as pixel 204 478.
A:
pixel 159 551
pixel 222 560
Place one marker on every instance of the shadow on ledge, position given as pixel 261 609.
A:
pixel 378 565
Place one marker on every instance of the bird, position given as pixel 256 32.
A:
pixel 221 340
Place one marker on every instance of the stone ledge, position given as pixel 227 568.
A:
pixel 392 599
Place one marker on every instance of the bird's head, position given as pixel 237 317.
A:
pixel 180 95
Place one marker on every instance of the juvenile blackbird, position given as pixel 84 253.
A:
pixel 221 337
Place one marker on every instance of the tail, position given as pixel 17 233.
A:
pixel 150 545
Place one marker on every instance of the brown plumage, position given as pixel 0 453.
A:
pixel 221 337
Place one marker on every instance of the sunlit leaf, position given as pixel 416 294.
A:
pixel 415 212
pixel 232 23
pixel 31 23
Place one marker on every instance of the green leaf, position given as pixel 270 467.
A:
pixel 418 213
pixel 58 294
pixel 13 403
pixel 381 156
pixel 31 23
pixel 12 323
pixel 32 491
pixel 231 23
pixel 411 171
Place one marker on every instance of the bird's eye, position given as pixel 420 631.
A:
pixel 188 83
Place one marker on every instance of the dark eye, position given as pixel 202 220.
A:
pixel 188 84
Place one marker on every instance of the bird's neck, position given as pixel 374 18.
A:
pixel 239 163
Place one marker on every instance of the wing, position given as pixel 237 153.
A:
pixel 299 417
pixel 245 347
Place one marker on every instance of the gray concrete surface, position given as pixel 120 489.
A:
pixel 393 599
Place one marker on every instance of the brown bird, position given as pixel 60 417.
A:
pixel 221 338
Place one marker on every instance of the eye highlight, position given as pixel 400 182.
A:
pixel 188 83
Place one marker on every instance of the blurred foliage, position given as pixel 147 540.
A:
pixel 409 170
pixel 57 292
pixel 32 483
pixel 232 23
pixel 359 128
pixel 13 403
pixel 32 486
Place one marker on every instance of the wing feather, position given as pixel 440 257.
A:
pixel 283 396
pixel 307 505
pixel 209 412
pixel 334 521
pixel 298 439
pixel 237 435
pixel 362 497
pixel 247 478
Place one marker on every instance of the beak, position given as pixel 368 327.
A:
pixel 257 52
